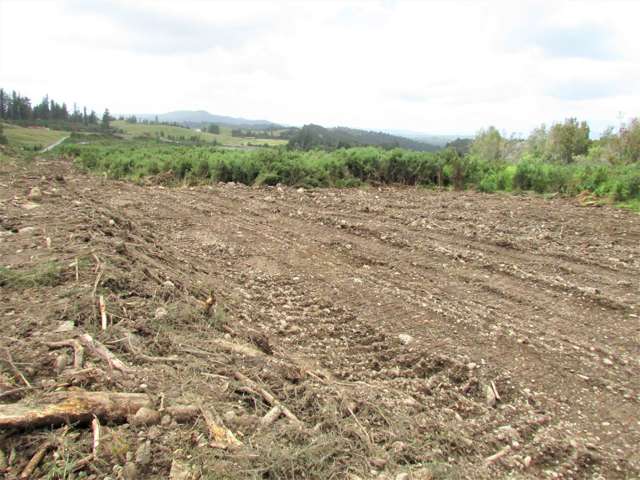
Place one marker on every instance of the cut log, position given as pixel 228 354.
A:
pixel 182 413
pixel 71 407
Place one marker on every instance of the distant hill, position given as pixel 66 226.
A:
pixel 439 140
pixel 315 136
pixel 196 118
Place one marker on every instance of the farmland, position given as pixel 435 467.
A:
pixel 443 334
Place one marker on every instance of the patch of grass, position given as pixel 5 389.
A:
pixel 46 275
pixel 31 138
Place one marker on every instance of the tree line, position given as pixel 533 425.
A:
pixel 18 108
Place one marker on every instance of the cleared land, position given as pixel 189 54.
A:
pixel 224 137
pixel 32 137
pixel 385 320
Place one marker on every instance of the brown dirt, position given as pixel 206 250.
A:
pixel 539 296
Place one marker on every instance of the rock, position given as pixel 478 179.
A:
pixel 405 339
pixel 300 190
pixel 35 194
pixel 402 476
pixel 143 454
pixel 607 361
pixel 30 206
pixel 145 416
pixel 62 361
pixel 130 471
pixel 65 326
pixel 160 313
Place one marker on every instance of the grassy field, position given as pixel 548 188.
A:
pixel 224 138
pixel 31 138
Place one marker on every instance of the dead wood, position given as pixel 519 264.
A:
pixel 72 406
pixel 99 350
pixel 78 351
pixel 267 397
pixel 182 413
pixel 17 372
pixel 35 460
pixel 219 435
pixel 271 416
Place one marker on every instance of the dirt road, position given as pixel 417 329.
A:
pixel 416 306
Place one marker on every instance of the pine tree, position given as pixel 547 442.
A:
pixel 106 118
pixel 3 138
pixel 3 104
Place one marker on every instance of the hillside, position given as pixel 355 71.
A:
pixel 193 118
pixel 315 136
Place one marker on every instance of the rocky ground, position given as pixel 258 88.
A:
pixel 385 333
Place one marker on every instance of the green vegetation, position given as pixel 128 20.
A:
pixel 31 138
pixel 46 275
pixel 354 166
pixel 175 133
pixel 315 136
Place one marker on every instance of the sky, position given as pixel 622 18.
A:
pixel 449 67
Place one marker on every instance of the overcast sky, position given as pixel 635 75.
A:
pixel 437 67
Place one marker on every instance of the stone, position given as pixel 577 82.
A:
pixel 402 476
pixel 143 454
pixel 405 339
pixel 65 326
pixel 35 194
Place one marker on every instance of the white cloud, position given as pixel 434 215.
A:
pixel 442 67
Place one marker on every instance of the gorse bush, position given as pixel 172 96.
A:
pixel 355 166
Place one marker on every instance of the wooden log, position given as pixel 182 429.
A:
pixel 71 407
pixel 182 413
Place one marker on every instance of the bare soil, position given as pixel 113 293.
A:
pixel 385 319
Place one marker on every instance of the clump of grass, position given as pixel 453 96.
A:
pixel 48 274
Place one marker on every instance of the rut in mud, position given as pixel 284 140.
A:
pixel 409 330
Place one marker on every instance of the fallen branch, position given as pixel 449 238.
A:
pixel 267 397
pixel 78 351
pixel 8 393
pixel 149 358
pixel 219 435
pixel 71 407
pixel 497 456
pixel 18 373
pixel 271 416
pixel 95 427
pixel 35 460
pixel 99 350
pixel 103 311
